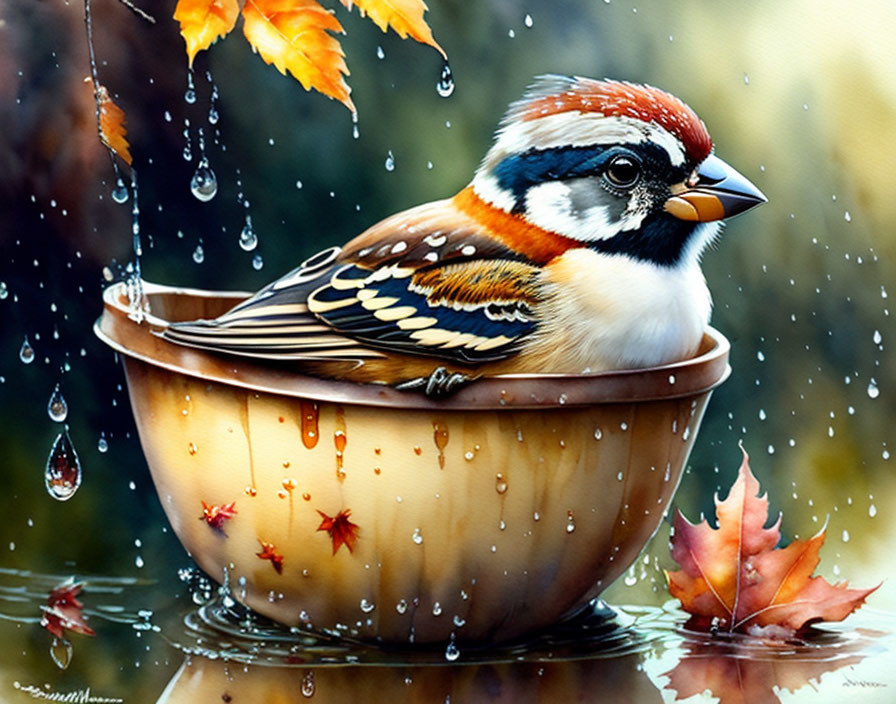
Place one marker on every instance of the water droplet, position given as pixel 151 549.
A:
pixel 527 20
pixel 445 86
pixel 390 161
pixel 570 522
pixel 4 291
pixel 190 94
pixel 213 115
pixel 367 606
pixel 57 408
pixel 401 607
pixel 436 609
pixel 631 579
pixel 61 652
pixel 308 684
pixel 500 483
pixel 746 80
pixel 380 54
pixel 204 184
pixel 762 414
pixel 598 433
pixel 26 353
pixel 62 476
pixel 847 216
pixel 120 192
pixel 760 355
pixel 877 337
pixel 873 391
pixel 845 536
pixel 872 511
pixel 452 652
pixel 102 444
pixel 199 254
pixel 416 537
pixel 257 262
pixel 248 238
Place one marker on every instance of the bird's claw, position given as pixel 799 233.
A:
pixel 439 384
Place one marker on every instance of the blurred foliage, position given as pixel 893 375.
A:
pixel 800 96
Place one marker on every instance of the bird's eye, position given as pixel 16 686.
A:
pixel 623 172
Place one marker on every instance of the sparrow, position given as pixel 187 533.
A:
pixel 575 248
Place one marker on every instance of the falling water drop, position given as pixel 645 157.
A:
pixel 63 473
pixel 308 684
pixel 451 652
pixel 570 522
pixel 199 254
pixel 120 192
pixel 380 54
pixel 190 94
pixel 61 652
pixel 390 161
pixel 4 291
pixel 57 408
pixel 878 338
pixel 248 238
pixel 445 86
pixel 204 185
pixel 872 511
pixel 26 352
pixel 873 391
pixel 257 262
pixel 527 20
pixel 102 445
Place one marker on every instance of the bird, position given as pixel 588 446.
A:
pixel 576 248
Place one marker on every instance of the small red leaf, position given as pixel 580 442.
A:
pixel 269 552
pixel 64 611
pixel 342 531
pixel 216 515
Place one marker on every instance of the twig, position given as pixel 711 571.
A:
pixel 137 11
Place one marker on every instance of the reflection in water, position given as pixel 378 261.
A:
pixel 603 655
pixel 229 654
pixel 739 669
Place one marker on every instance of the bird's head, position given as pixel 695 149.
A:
pixel 621 167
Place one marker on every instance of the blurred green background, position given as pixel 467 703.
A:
pixel 799 95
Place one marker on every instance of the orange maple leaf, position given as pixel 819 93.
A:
pixel 113 134
pixel 269 552
pixel 404 16
pixel 203 22
pixel 734 578
pixel 342 531
pixel 292 35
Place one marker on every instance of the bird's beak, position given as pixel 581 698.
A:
pixel 715 191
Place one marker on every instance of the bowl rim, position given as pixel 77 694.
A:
pixel 139 341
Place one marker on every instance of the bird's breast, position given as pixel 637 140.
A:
pixel 602 312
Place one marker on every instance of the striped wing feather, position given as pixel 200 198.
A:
pixel 427 281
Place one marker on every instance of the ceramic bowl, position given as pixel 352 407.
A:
pixel 386 515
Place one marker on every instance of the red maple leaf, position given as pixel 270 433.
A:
pixel 341 530
pixel 735 578
pixel 64 611
pixel 269 552
pixel 216 515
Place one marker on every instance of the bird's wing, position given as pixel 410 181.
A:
pixel 426 281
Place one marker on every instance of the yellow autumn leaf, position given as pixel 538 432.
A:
pixel 202 22
pixel 113 134
pixel 292 35
pixel 404 16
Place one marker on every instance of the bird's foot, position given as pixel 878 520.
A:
pixel 439 384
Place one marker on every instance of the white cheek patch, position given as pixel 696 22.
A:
pixel 485 185
pixel 549 206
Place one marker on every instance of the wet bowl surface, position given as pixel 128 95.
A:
pixel 376 514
